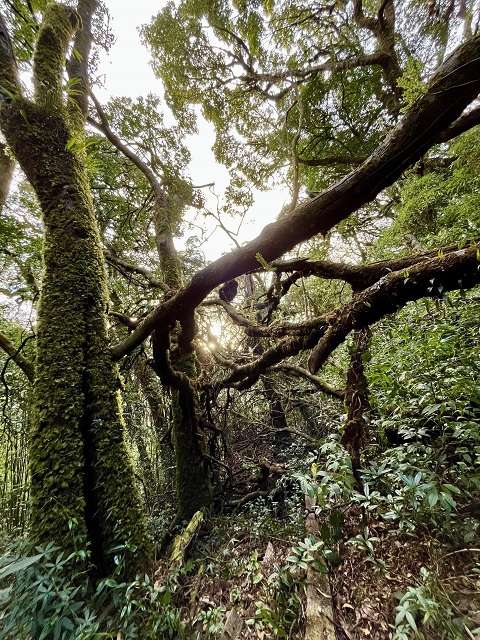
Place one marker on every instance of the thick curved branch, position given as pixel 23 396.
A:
pixel 25 365
pixel 464 123
pixel 58 27
pixel 362 20
pixel 456 270
pixel 451 90
pixel 358 276
pixel 430 164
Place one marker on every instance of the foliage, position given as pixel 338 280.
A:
pixel 295 99
pixel 429 607
pixel 52 597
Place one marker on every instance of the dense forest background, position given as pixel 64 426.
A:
pixel 283 442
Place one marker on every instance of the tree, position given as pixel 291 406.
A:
pixel 78 446
pixel 80 470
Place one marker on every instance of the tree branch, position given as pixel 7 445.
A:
pixel 104 127
pixel 58 27
pixel 300 372
pixel 9 82
pixel 358 276
pixel 464 123
pixel 133 268
pixel 248 374
pixel 453 87
pixel 456 270
pixel 6 173
pixel 78 63
pixel 25 365
pixel 272 330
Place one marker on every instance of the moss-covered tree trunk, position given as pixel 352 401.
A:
pixel 357 401
pixel 80 470
pixel 193 471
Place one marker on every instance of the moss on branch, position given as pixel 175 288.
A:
pixel 58 27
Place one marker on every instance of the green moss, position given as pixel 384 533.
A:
pixel 59 24
pixel 79 463
pixel 194 485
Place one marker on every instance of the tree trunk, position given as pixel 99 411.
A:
pixel 357 401
pixel 174 364
pixel 277 413
pixel 153 391
pixel 81 477
pixel 193 472
pixel 275 407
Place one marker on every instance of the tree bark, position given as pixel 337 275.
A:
pixel 277 413
pixel 81 476
pixel 6 174
pixel 152 390
pixel 357 402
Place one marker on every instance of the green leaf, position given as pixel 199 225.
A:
pixel 19 565
pixel 432 498
pixel 411 620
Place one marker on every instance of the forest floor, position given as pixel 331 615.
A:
pixel 246 576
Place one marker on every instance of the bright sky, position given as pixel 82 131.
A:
pixel 128 73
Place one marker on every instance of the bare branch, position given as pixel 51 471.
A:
pixel 25 365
